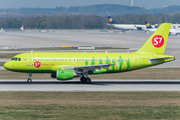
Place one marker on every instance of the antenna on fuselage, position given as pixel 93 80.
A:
pixel 106 51
pixel 31 51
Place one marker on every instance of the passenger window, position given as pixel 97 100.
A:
pixel 19 59
pixel 65 59
pixel 69 59
pixel 82 59
pixel 54 59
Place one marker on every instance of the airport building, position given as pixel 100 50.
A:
pixel 175 26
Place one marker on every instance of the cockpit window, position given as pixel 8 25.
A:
pixel 16 59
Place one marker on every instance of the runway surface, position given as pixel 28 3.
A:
pixel 97 85
pixel 2 68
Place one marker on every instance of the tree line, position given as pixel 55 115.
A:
pixel 98 9
pixel 92 21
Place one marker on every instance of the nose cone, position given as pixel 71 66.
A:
pixel 7 66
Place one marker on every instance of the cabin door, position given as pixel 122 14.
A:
pixel 73 60
pixel 135 60
pixel 30 60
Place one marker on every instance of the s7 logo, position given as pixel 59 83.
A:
pixel 158 41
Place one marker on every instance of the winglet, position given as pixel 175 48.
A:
pixel 117 64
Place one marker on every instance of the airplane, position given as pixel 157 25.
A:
pixel 153 29
pixel 124 27
pixel 66 66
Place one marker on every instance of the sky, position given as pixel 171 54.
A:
pixel 148 4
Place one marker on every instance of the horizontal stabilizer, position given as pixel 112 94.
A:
pixel 154 60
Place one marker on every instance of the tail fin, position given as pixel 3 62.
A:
pixel 158 40
pixel 111 20
pixel 148 25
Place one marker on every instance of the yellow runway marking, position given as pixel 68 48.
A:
pixel 175 52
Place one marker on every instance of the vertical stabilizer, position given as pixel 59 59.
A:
pixel 148 25
pixel 158 40
pixel 111 20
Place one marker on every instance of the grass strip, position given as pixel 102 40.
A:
pixel 2 63
pixel 7 55
pixel 90 105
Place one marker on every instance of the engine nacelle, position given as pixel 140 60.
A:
pixel 66 74
pixel 173 33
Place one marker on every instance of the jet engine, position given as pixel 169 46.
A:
pixel 64 74
pixel 173 33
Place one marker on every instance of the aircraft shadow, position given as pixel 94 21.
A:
pixel 93 82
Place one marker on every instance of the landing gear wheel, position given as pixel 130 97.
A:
pixel 29 80
pixel 83 79
pixel 88 80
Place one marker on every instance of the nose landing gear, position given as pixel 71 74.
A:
pixel 29 80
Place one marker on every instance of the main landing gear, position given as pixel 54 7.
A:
pixel 29 80
pixel 85 79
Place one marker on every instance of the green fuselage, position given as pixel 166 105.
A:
pixel 50 62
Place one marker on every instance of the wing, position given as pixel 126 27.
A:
pixel 86 68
